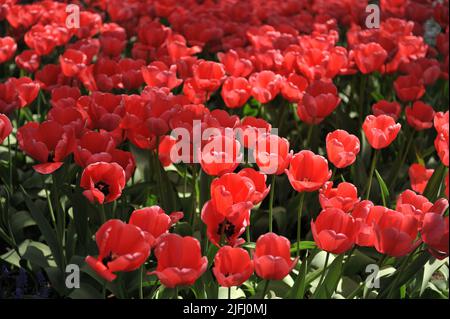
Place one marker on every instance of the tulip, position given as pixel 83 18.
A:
pixel 154 221
pixel 395 234
pixel 344 197
pixel 230 190
pixel 380 130
pixel 103 182
pixel 419 176
pixel 46 142
pixel 235 92
pixel 420 116
pixel 180 262
pixel 208 75
pixel 411 203
pixel 393 109
pixel 232 266
pixel 122 247
pixel 342 148
pixel 220 155
pixel 259 181
pixel 272 154
pixel 320 100
pixel 272 257
pixel 5 127
pixel 370 57
pixel 334 231
pixel 265 86
pixel 409 88
pixel 434 231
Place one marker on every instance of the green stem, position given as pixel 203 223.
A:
pixel 229 292
pixel 266 286
pixel 141 278
pixel 325 266
pixel 10 166
pixel 102 214
pixel 372 169
pixel 194 196
pixel 402 160
pixel 400 271
pixel 308 138
pixel 299 217
pixel 272 192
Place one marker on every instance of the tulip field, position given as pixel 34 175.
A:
pixel 224 149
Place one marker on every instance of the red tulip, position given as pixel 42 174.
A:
pixel 230 190
pixel 122 247
pixel 320 100
pixel 234 65
pixel 5 127
pixel 232 266
pixel 441 145
pixel 220 155
pixel 441 121
pixel 420 116
pixel 180 262
pixel 27 89
pixel 9 98
pixel 393 109
pixel 259 181
pixel 164 149
pixel 370 57
pixel 157 74
pixel 227 228
pixel 293 87
pixel 94 147
pixel 344 197
pixel 410 203
pixel 419 176
pixel 365 235
pixel 251 129
pixel 342 148
pixel 235 92
pixel 308 172
pixel 380 130
pixel 153 220
pixel 265 86
pixel 8 48
pixel 409 88
pixel 272 257
pixel 395 233
pixel 434 231
pixel 208 75
pixel 28 60
pixel 48 143
pixel 72 62
pixel 103 182
pixel 334 231
pixel 272 154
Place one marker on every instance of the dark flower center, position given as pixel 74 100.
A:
pixel 107 259
pixel 103 187
pixel 51 157
pixel 226 228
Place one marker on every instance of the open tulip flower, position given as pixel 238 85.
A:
pixel 263 149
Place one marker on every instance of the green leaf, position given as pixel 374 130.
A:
pixel 331 281
pixel 304 245
pixel 434 184
pixel 383 188
pixel 86 291
pixel 430 268
pixel 46 230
